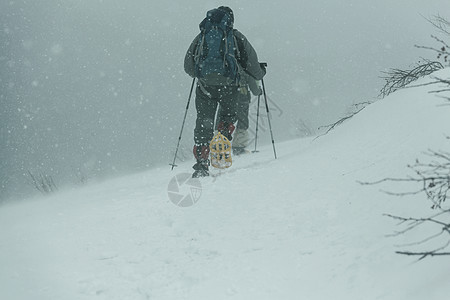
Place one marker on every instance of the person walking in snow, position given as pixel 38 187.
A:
pixel 215 57
pixel 247 86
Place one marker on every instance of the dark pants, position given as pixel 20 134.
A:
pixel 242 109
pixel 206 101
pixel 243 105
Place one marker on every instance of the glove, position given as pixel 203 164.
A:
pixel 260 91
pixel 243 90
pixel 263 67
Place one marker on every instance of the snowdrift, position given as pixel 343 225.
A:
pixel 299 227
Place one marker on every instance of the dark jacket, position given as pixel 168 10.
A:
pixel 246 54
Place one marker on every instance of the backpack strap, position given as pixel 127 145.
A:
pixel 237 50
pixel 242 55
pixel 199 50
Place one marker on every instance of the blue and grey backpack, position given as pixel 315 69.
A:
pixel 215 59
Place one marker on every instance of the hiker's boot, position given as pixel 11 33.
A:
pixel 201 154
pixel 239 150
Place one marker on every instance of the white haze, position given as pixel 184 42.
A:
pixel 97 88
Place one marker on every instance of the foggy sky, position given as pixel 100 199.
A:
pixel 97 88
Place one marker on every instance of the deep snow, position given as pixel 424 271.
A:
pixel 299 227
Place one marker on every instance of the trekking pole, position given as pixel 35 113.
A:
pixel 182 126
pixel 257 120
pixel 268 116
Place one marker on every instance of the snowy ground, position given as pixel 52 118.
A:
pixel 299 227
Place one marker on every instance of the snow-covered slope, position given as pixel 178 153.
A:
pixel 299 227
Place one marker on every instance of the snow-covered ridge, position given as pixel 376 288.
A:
pixel 299 227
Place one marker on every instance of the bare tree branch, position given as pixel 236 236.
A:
pixel 43 183
pixel 434 177
pixel 339 122
pixel 440 23
pixel 443 51
pixel 414 223
pixel 397 79
pixel 423 254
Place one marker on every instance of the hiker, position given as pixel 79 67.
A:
pixel 247 84
pixel 215 57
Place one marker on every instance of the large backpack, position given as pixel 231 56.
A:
pixel 215 59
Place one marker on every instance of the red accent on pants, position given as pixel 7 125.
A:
pixel 227 131
pixel 201 152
